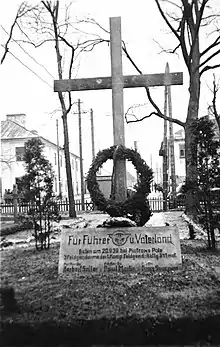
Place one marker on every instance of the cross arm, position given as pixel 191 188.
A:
pixel 130 81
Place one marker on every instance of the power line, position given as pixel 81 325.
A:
pixel 28 53
pixel 30 69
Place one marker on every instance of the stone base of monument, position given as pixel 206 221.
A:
pixel 118 246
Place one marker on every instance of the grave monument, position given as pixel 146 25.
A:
pixel 118 249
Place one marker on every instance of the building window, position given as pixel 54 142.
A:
pixel 77 188
pixel 60 160
pixel 19 153
pixel 182 150
pixel 72 164
pixel 76 165
pixel 55 159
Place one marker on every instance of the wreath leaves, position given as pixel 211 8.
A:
pixel 135 207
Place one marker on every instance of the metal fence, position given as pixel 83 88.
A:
pixel 156 205
pixel 63 206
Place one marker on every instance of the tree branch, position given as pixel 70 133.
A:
pixel 139 119
pixel 213 45
pixel 209 67
pixel 181 36
pixel 215 112
pixel 160 115
pixel 213 108
pixel 169 51
pixel 72 54
pixel 10 34
pixel 196 26
pixel 209 58
pixel 129 58
pixel 89 45
pixel 166 20
pixel 183 43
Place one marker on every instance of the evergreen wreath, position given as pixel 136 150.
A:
pixel 135 207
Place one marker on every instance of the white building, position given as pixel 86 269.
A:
pixel 179 158
pixel 179 155
pixel 13 137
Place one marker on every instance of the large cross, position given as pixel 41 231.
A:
pixel 117 82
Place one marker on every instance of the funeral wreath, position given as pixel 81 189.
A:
pixel 135 207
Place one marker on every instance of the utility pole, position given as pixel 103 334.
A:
pixel 58 160
pixel 171 144
pixel 151 162
pixel 80 155
pixel 136 148
pixel 157 173
pixel 92 133
pixel 165 157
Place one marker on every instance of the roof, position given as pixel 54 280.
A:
pixel 179 134
pixel 12 130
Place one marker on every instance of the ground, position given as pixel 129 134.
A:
pixel 173 306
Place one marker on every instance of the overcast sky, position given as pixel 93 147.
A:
pixel 142 27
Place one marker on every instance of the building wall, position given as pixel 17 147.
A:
pixel 105 183
pixel 11 168
pixel 179 160
pixel 179 153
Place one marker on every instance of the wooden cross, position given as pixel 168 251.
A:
pixel 117 82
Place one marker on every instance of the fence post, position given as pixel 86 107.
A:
pixel 67 205
pixel 15 202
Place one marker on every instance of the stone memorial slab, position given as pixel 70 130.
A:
pixel 95 250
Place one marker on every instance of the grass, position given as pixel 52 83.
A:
pixel 160 306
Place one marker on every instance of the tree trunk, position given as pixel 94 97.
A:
pixel 192 200
pixel 54 14
pixel 217 118
pixel 72 211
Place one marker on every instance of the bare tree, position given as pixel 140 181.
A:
pixel 53 10
pixel 188 21
pixel 185 22
pixel 38 25
pixel 48 23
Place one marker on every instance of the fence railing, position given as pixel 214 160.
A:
pixel 156 205
pixel 63 206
